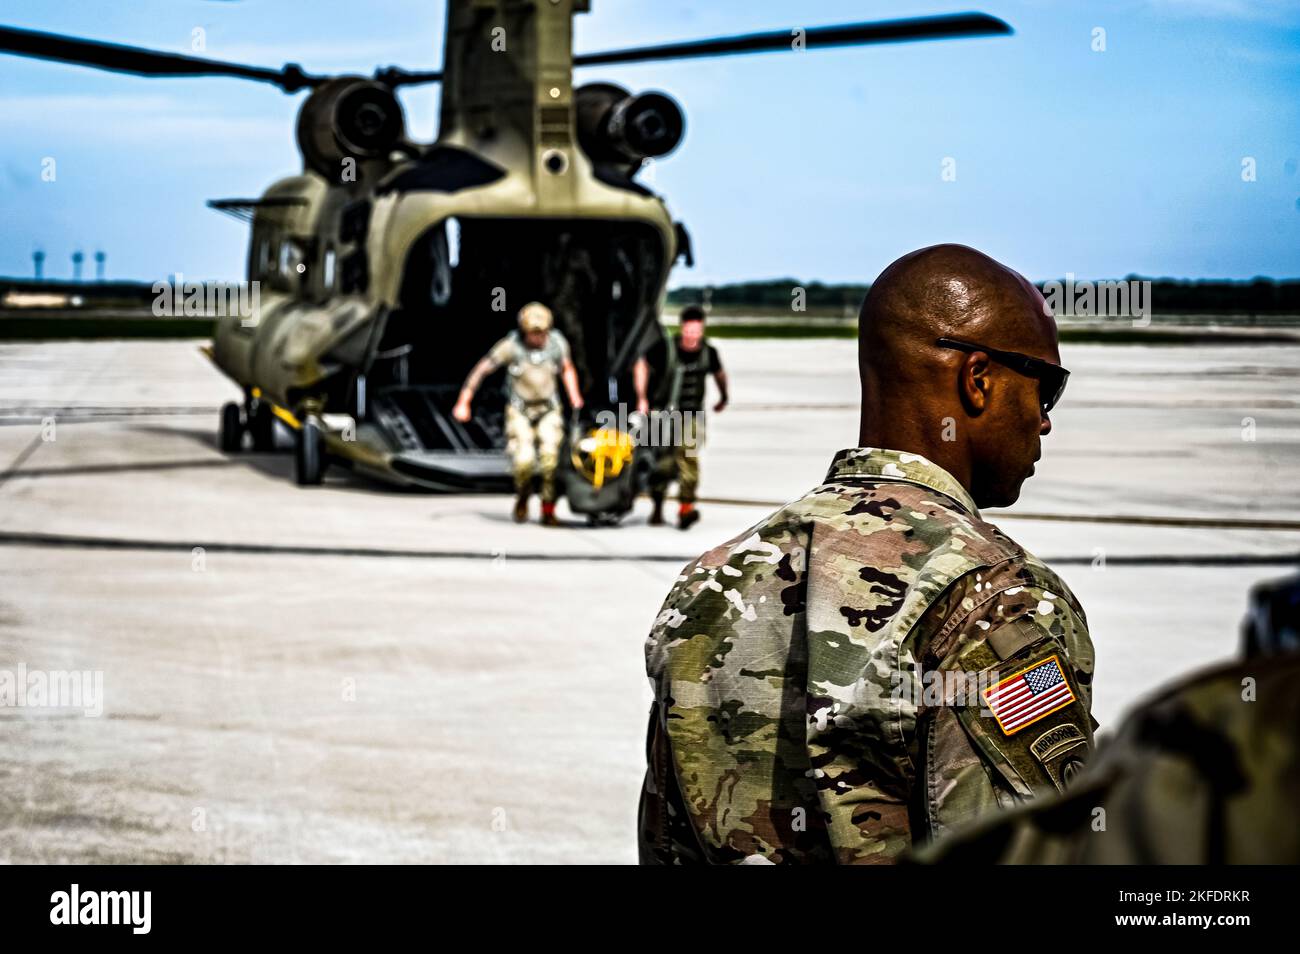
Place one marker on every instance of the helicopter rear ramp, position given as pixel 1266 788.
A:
pixel 432 449
pixel 483 471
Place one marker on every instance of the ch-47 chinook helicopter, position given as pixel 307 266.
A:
pixel 387 267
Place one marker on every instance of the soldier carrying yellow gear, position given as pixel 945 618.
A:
pixel 534 356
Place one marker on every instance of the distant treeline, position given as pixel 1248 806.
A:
pixel 774 295
pixel 1260 296
pixel 1168 296
pixel 92 293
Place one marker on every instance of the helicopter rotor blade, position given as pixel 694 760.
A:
pixel 394 76
pixel 138 61
pixel 141 62
pixel 945 27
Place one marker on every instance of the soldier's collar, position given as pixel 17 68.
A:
pixel 900 465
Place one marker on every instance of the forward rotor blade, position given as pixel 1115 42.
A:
pixel 141 62
pixel 946 27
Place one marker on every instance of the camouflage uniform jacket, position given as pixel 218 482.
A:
pixel 810 703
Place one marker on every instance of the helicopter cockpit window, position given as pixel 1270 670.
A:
pixel 292 264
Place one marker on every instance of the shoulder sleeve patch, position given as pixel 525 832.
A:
pixel 1031 725
pixel 1023 651
pixel 1027 696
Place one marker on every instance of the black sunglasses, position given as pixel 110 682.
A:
pixel 1051 377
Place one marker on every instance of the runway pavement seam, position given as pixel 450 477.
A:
pixel 21 459
pixel 268 549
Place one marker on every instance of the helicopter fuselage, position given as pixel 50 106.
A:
pixel 386 269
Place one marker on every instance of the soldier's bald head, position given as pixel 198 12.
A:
pixel 963 411
pixel 948 291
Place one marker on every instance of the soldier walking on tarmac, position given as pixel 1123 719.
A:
pixel 534 356
pixel 696 359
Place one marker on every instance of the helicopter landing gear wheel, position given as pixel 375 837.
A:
pixel 231 435
pixel 261 424
pixel 309 454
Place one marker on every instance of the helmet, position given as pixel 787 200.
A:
pixel 534 316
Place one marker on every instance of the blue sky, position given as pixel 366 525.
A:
pixel 820 165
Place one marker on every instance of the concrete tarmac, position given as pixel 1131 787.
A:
pixel 267 697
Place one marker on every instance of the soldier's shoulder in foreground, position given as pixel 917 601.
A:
pixel 1205 771
pixel 888 519
pixel 997 640
pixel 786 665
pixel 890 558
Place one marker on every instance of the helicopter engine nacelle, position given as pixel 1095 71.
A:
pixel 618 128
pixel 348 118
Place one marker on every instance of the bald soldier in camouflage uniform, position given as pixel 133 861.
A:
pixel 535 357
pixel 807 700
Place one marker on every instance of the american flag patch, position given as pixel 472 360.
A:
pixel 1029 695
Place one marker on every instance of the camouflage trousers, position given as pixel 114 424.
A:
pixel 681 461
pixel 533 443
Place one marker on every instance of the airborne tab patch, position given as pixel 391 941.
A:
pixel 1029 695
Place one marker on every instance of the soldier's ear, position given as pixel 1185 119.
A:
pixel 975 383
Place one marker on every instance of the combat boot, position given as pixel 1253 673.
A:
pixel 548 514
pixel 687 516
pixel 521 508
pixel 657 514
